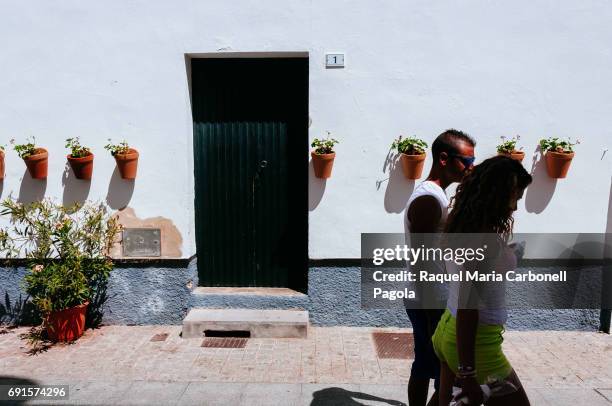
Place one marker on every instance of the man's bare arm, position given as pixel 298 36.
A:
pixel 424 215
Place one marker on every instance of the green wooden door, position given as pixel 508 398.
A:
pixel 243 173
pixel 250 176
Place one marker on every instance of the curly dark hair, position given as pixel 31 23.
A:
pixel 481 204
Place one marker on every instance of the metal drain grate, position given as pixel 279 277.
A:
pixel 394 345
pixel 159 337
pixel 224 342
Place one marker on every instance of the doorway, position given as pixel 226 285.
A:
pixel 250 134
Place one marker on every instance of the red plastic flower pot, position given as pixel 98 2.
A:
pixel 82 167
pixel 412 165
pixel 37 163
pixel 127 164
pixel 67 324
pixel 323 164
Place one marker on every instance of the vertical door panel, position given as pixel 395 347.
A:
pixel 240 203
pixel 251 171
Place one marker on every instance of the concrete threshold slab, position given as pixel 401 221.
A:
pixel 260 323
pixel 247 291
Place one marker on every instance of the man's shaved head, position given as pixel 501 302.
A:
pixel 449 142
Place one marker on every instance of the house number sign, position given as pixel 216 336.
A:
pixel 334 60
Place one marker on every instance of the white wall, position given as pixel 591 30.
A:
pixel 117 69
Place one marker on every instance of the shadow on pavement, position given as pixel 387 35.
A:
pixel 339 396
pixel 15 381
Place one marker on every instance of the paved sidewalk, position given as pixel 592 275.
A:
pixel 335 365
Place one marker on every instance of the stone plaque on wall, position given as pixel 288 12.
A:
pixel 141 242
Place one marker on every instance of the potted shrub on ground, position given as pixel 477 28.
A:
pixel 126 157
pixel 1 162
pixel 508 148
pixel 67 252
pixel 35 158
pixel 558 155
pixel 323 156
pixel 412 155
pixel 80 159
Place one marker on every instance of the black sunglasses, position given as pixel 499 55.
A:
pixel 467 161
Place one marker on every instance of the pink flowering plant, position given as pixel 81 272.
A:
pixel 324 145
pixel 66 248
pixel 508 146
pixel 409 145
pixel 76 149
pixel 554 144
pixel 25 150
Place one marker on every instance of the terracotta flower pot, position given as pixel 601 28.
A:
pixel 323 164
pixel 1 164
pixel 82 167
pixel 127 164
pixel 37 163
pixel 516 155
pixel 412 165
pixel 67 324
pixel 558 163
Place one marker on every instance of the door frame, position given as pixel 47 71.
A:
pixel 297 282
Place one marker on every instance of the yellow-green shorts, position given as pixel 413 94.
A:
pixel 491 363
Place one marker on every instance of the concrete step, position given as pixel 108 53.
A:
pixel 260 323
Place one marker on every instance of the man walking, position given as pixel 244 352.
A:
pixel 426 212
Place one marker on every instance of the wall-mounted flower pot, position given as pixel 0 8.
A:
pixel 127 164
pixel 323 164
pixel 558 163
pixel 67 324
pixel 37 163
pixel 412 165
pixel 82 167
pixel 1 164
pixel 516 155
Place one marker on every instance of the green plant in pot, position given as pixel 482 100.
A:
pixel 558 155
pixel 508 148
pixel 67 255
pixel 126 158
pixel 80 159
pixel 323 156
pixel 35 158
pixel 412 155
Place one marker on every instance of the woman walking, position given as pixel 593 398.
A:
pixel 468 337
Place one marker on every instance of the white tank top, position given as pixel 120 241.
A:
pixel 429 188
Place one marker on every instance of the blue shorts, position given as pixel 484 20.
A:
pixel 426 364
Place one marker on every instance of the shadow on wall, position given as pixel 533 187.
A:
pixel 340 396
pixel 95 310
pixel 31 190
pixel 18 311
pixel 316 188
pixel 120 191
pixel 609 218
pixel 399 188
pixel 605 316
pixel 580 283
pixel 1 186
pixel 75 190
pixel 542 189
